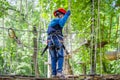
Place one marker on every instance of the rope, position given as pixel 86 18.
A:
pixel 23 30
pixel 40 38
pixel 99 34
pixel 20 6
pixel 33 66
pixel 26 2
pixel 118 45
pixel 4 45
pixel 43 31
pixel 69 4
pixel 119 35
pixel 119 41
pixel 117 32
pixel 17 40
pixel 93 67
pixel 70 37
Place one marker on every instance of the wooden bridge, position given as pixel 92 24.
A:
pixel 70 77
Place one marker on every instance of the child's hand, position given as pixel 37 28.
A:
pixel 68 12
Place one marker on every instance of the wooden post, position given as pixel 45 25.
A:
pixel 49 66
pixel 35 64
pixel 67 66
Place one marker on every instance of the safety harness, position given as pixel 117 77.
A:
pixel 56 33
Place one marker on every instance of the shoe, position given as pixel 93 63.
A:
pixel 53 76
pixel 60 75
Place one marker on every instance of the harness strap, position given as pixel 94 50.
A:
pixel 57 35
pixel 58 32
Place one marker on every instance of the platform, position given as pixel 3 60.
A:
pixel 69 77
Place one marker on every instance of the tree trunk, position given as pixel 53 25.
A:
pixel 35 63
pixel 67 66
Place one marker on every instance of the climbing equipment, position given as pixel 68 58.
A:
pixel 57 35
pixel 12 34
pixel 47 48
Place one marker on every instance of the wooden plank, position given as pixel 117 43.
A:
pixel 70 77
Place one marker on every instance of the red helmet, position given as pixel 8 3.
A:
pixel 61 10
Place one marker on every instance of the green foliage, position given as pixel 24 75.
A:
pixel 4 6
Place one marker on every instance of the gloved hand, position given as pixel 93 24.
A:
pixel 68 12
